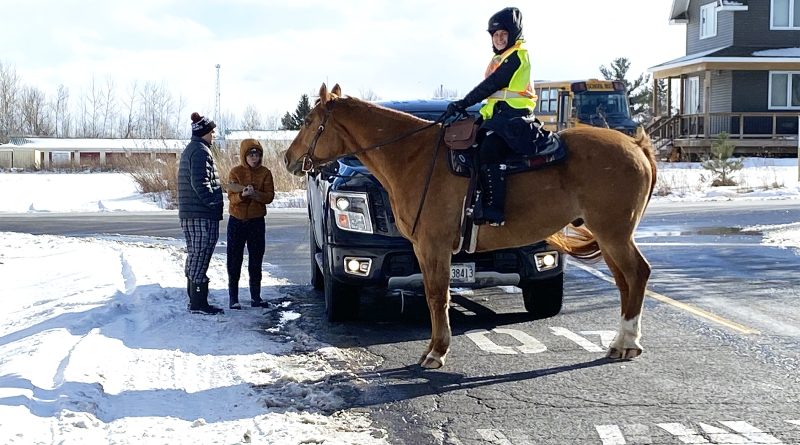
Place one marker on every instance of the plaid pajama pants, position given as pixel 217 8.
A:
pixel 201 238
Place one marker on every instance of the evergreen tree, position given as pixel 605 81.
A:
pixel 302 110
pixel 720 163
pixel 639 92
pixel 295 121
pixel 287 122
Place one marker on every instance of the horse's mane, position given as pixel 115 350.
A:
pixel 361 106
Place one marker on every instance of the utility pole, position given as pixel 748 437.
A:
pixel 217 97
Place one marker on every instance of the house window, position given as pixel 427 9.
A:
pixel 785 14
pixel 693 95
pixel 784 90
pixel 708 20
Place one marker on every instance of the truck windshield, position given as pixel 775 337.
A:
pixel 590 104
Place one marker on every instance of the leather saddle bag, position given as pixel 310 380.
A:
pixel 460 135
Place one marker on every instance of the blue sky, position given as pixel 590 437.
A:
pixel 271 52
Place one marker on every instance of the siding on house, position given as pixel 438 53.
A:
pixel 724 35
pixel 752 28
pixel 721 87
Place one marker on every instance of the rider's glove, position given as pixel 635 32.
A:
pixel 455 108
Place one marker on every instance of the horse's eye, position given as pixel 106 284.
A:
pixel 306 121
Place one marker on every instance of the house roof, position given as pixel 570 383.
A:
pixel 734 57
pixel 680 8
pixel 263 135
pixel 121 145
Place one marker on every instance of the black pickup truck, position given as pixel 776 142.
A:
pixel 354 243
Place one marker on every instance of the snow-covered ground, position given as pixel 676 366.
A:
pixel 96 345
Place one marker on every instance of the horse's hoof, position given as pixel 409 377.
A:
pixel 428 361
pixel 626 354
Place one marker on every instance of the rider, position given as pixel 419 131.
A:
pixel 509 91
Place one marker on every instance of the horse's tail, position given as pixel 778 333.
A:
pixel 644 142
pixel 578 242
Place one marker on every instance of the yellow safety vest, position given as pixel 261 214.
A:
pixel 519 93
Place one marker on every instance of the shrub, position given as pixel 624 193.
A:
pixel 159 177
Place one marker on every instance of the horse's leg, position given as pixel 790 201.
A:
pixel 435 268
pixel 631 272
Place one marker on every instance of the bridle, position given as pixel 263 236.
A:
pixel 309 163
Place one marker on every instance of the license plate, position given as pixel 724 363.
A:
pixel 462 273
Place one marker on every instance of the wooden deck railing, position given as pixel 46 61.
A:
pixel 776 126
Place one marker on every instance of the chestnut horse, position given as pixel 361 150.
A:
pixel 607 179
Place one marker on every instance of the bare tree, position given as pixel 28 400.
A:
pixel 272 122
pixel 9 92
pixel 36 119
pixel 128 121
pixel 61 117
pixel 92 105
pixel 156 108
pixel 251 119
pixel 109 110
pixel 368 94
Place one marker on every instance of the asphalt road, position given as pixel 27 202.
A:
pixel 721 332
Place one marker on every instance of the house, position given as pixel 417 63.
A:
pixel 47 152
pixel 740 75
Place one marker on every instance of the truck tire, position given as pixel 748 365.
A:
pixel 317 279
pixel 341 300
pixel 543 298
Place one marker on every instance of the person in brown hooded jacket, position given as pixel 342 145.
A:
pixel 250 189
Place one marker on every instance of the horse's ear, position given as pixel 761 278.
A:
pixel 323 94
pixel 337 90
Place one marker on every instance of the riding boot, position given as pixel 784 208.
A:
pixel 255 295
pixel 233 293
pixel 493 179
pixel 198 300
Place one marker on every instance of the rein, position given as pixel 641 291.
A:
pixel 309 162
pixel 308 157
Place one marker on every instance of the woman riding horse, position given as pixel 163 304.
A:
pixel 510 95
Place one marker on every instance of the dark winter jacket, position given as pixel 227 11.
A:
pixel 199 190
pixel 253 206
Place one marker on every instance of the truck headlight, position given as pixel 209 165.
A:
pixel 351 211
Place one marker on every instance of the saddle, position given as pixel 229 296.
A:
pixel 462 140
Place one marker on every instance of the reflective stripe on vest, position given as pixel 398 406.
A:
pixel 505 94
pixel 519 93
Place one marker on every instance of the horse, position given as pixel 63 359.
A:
pixel 606 180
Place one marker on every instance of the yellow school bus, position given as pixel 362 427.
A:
pixel 571 103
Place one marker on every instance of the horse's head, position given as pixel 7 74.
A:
pixel 313 145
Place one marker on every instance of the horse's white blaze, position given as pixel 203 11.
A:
pixel 630 331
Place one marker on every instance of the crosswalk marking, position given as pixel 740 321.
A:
pixel 737 433
pixel 494 437
pixel 749 434
pixel 610 434
pixel 606 337
pixel 577 339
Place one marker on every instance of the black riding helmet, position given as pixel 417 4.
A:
pixel 508 19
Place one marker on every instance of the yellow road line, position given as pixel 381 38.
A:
pixel 680 305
